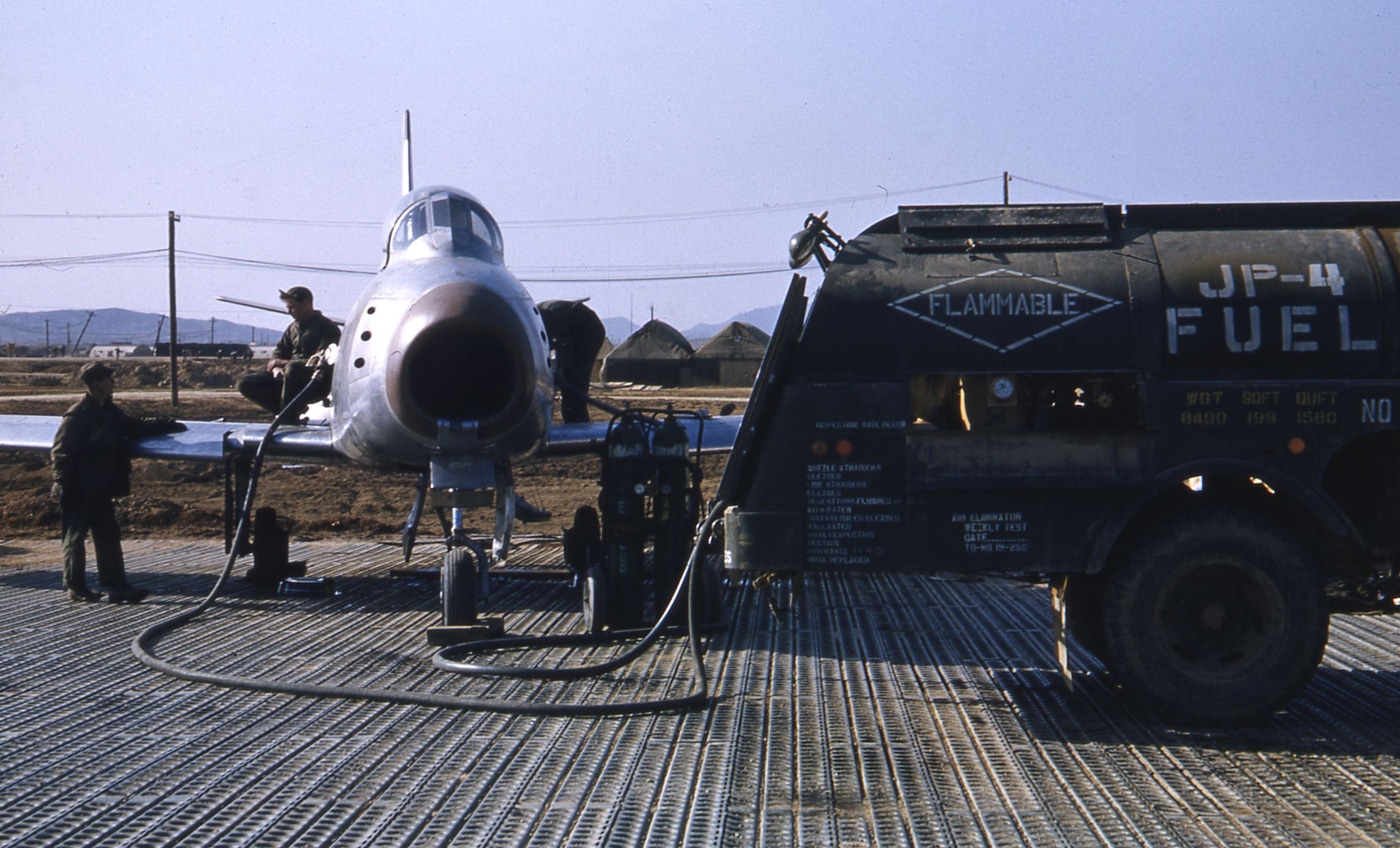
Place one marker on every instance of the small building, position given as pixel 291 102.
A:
pixel 118 351
pixel 655 355
pixel 731 357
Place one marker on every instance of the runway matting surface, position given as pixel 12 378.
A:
pixel 879 710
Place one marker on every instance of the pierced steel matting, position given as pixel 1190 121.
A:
pixel 885 710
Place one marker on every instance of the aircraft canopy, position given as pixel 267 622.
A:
pixel 438 221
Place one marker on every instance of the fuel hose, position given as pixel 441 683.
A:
pixel 144 644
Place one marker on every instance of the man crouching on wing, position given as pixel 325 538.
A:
pixel 290 369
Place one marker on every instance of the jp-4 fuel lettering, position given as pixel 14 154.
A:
pixel 1243 330
pixel 1320 275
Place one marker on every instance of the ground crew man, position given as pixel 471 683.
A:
pixel 92 467
pixel 290 368
pixel 576 335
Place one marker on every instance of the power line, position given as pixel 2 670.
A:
pixel 81 215
pixel 598 221
pixel 603 274
pixel 16 327
pixel 667 217
pixel 711 275
pixel 1054 187
pixel 216 259
pixel 90 259
pixel 291 221
pixel 619 274
pixel 160 256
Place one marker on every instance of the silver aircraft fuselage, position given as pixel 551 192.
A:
pixel 444 337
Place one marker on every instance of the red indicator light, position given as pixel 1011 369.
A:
pixel 843 448
pixel 1296 446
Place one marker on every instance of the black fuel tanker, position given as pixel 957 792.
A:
pixel 1184 416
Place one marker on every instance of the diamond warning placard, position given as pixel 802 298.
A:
pixel 1004 309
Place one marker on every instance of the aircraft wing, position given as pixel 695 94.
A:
pixel 208 441
pixel 713 435
pixel 267 307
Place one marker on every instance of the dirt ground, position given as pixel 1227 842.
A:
pixel 185 499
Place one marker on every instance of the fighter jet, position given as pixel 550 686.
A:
pixel 443 368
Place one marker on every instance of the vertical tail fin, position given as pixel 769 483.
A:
pixel 407 155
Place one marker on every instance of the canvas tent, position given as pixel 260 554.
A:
pixel 655 355
pixel 597 373
pixel 731 357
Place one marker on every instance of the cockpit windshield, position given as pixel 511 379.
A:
pixel 447 223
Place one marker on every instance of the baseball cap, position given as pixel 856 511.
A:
pixel 297 293
pixel 94 372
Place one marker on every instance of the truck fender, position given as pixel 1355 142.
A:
pixel 1313 499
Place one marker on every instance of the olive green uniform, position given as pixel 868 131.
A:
pixel 301 341
pixel 92 467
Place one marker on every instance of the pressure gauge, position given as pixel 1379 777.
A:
pixel 1003 388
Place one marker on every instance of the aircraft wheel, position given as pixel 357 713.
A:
pixel 483 570
pixel 595 600
pixel 1215 618
pixel 458 587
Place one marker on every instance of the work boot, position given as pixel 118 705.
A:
pixel 528 513
pixel 127 595
pixel 83 595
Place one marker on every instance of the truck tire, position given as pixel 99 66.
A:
pixel 1215 618
pixel 458 587
pixel 1084 612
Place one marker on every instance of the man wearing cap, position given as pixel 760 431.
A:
pixel 92 467
pixel 289 370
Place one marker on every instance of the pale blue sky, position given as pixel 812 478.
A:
pixel 580 112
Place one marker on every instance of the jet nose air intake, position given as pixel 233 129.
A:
pixel 461 355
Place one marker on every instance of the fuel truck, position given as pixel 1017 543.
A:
pixel 1183 417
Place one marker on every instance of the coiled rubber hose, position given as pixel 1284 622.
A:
pixel 143 646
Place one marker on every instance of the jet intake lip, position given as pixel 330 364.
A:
pixel 460 354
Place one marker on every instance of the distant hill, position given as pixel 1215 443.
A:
pixel 119 326
pixel 765 318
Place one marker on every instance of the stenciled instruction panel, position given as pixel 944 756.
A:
pixel 854 494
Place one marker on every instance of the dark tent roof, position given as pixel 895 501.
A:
pixel 654 340
pixel 654 355
pixel 739 340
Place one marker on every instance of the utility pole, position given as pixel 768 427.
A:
pixel 73 346
pixel 46 338
pixel 174 335
pixel 211 329
pixel 1005 188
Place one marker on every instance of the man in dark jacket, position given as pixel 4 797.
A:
pixel 91 467
pixel 290 368
pixel 576 335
